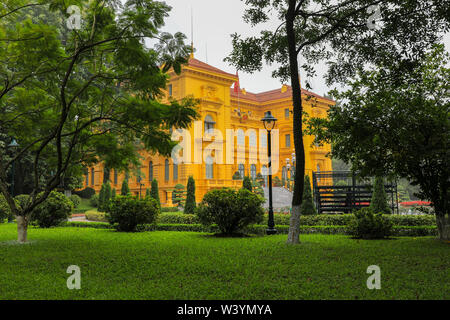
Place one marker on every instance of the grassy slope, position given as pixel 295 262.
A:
pixel 184 265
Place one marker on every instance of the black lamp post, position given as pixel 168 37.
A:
pixel 13 145
pixel 288 176
pixel 269 123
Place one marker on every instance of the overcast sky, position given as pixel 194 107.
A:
pixel 214 22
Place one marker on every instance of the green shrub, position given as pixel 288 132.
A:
pixel 247 184
pixel 54 210
pixel 5 211
pixel 126 213
pixel 177 218
pixel 179 195
pixel 190 205
pixel 104 197
pixel 379 203
pixel 307 207
pixel 22 200
pixel 154 192
pixel 76 200
pixel 94 215
pixel 86 193
pixel 94 201
pixel 237 176
pixel 365 224
pixel 125 190
pixel 231 210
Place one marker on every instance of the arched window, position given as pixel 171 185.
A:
pixel 175 171
pixel 242 170
pixel 209 168
pixel 150 171
pixel 87 176
pixel 265 172
pixel 166 170
pixel 253 171
pixel 284 173
pixel 252 139
pixel 263 140
pixel 209 123
pixel 240 137
pixel 92 176
pixel 115 176
pixel 106 175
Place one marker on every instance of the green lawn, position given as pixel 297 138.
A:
pixel 187 265
pixel 85 205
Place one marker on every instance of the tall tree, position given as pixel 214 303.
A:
pixel 398 125
pixel 344 34
pixel 87 95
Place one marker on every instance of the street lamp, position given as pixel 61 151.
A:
pixel 269 123
pixel 293 165
pixel 288 167
pixel 13 145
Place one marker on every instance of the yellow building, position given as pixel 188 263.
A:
pixel 225 106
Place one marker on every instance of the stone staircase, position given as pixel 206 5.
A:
pixel 281 197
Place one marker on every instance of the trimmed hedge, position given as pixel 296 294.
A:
pixel 170 209
pixel 344 219
pixel 94 215
pixel 399 231
pixel 283 219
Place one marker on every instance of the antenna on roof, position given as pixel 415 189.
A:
pixel 192 32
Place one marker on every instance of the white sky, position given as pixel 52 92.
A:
pixel 214 22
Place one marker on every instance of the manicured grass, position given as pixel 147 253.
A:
pixel 188 265
pixel 84 206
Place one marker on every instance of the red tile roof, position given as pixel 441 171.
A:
pixel 275 94
pixel 201 65
pixel 257 97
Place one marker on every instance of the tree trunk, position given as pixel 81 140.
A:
pixel 22 228
pixel 443 225
pixel 294 227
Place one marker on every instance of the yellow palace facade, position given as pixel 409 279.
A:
pixel 236 115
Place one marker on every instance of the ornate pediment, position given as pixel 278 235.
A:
pixel 209 92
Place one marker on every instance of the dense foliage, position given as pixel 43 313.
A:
pixel 53 211
pixel 397 123
pixel 231 210
pixel 366 224
pixel 76 200
pixel 126 213
pixel 86 193
pixel 247 183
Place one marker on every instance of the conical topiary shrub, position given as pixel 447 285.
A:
pixel 190 197
pixel 379 202
pixel 307 207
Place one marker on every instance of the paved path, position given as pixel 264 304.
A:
pixel 281 197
